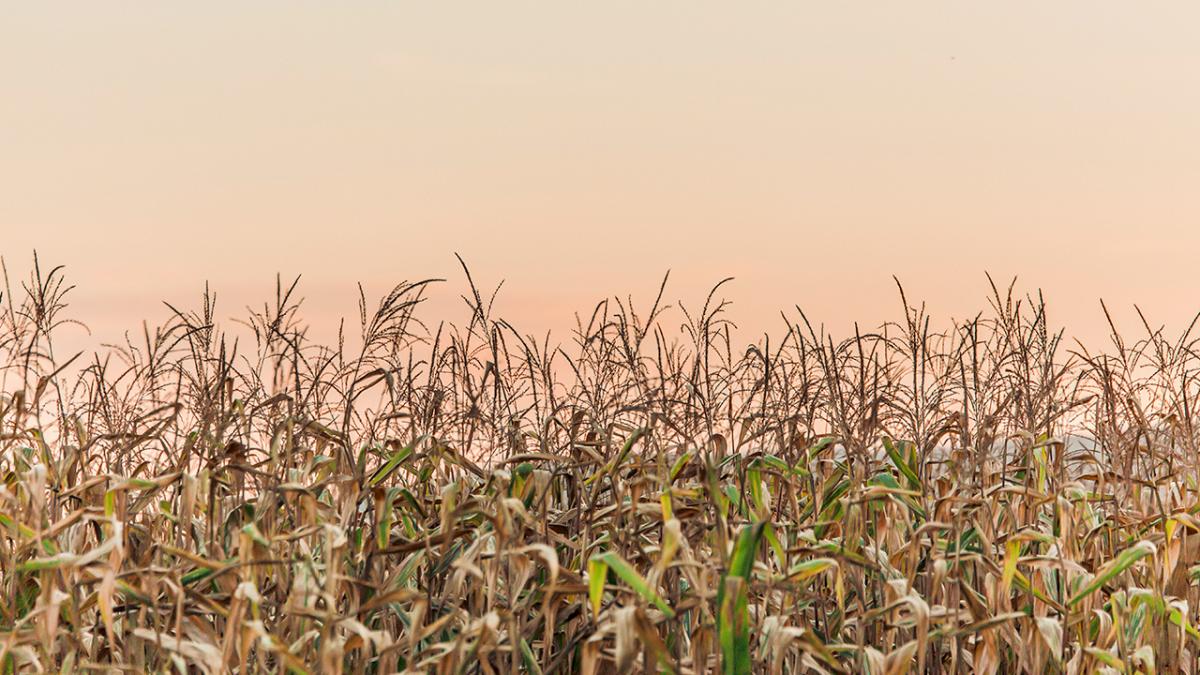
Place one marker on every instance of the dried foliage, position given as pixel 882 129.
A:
pixel 443 498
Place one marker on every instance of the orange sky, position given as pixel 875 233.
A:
pixel 811 150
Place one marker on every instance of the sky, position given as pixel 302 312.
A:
pixel 810 150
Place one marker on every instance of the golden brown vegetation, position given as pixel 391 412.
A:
pixel 452 499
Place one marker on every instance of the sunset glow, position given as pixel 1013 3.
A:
pixel 809 150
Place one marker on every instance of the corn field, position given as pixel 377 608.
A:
pixel 648 495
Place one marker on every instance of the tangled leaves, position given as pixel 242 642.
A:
pixel 462 500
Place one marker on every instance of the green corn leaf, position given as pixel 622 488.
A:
pixel 734 629
pixel 810 568
pixel 531 664
pixel 680 464
pixel 1107 573
pixel 597 573
pixel 256 535
pixel 901 464
pixel 394 461
pixel 1108 659
pixel 635 581
pixel 55 562
pixel 733 618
